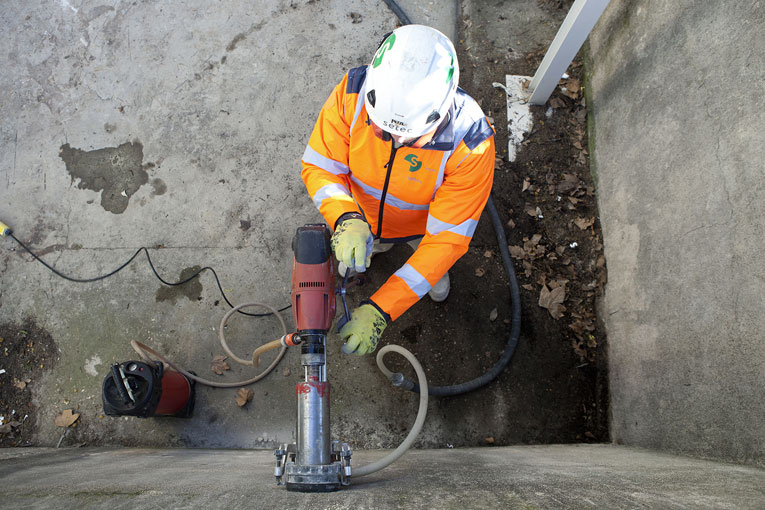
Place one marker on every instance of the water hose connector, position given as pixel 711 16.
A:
pixel 399 381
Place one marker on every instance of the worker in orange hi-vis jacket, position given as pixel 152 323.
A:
pixel 400 154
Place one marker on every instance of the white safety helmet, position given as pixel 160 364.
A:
pixel 412 81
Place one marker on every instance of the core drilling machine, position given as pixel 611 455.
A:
pixel 313 463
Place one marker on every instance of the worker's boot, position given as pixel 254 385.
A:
pixel 440 290
pixel 377 247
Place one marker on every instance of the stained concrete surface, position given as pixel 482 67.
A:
pixel 116 172
pixel 528 477
pixel 221 103
pixel 180 123
pixel 677 92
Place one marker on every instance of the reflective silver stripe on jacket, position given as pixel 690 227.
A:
pixel 329 191
pixel 440 178
pixel 359 103
pixel 436 226
pixel 414 280
pixel 312 157
pixel 389 199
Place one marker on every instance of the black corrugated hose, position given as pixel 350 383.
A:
pixel 515 294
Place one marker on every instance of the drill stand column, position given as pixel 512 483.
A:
pixel 314 463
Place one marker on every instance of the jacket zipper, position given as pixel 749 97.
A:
pixel 393 150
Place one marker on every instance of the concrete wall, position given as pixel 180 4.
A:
pixel 676 90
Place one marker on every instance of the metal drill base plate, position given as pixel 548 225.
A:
pixel 324 478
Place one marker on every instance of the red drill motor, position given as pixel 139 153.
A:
pixel 313 281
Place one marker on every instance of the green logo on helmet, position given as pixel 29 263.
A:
pixel 451 71
pixel 386 45
pixel 412 160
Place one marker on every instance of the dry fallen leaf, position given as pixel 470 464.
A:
pixel 532 247
pixel 558 283
pixel 530 210
pixel 510 223
pixel 66 418
pixel 578 145
pixel 488 254
pixel 20 384
pixel 493 315
pixel 584 223
pixel 8 427
pixel 219 364
pixel 479 272
pixel 516 251
pixel 557 102
pixel 526 184
pixel 553 300
pixel 570 182
pixel 286 372
pixel 243 395
pixel 572 87
pixel 528 286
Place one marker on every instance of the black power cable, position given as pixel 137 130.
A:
pixel 515 328
pixel 153 269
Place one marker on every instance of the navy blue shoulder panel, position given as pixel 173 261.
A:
pixel 471 124
pixel 478 133
pixel 356 77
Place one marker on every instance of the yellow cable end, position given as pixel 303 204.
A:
pixel 5 230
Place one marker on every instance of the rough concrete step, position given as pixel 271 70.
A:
pixel 559 476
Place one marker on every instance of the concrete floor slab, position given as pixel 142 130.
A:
pixel 583 476
pixel 205 112
pixel 209 110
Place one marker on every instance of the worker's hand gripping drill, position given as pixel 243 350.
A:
pixel 352 244
pixel 361 334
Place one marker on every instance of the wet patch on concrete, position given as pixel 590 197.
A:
pixel 160 188
pixel 192 290
pixel 245 224
pixel 115 171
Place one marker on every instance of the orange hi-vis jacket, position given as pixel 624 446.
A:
pixel 436 192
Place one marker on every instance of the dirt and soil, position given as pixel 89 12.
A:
pixel 555 388
pixel 26 351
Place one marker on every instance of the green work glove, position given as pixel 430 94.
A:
pixel 363 331
pixel 352 244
